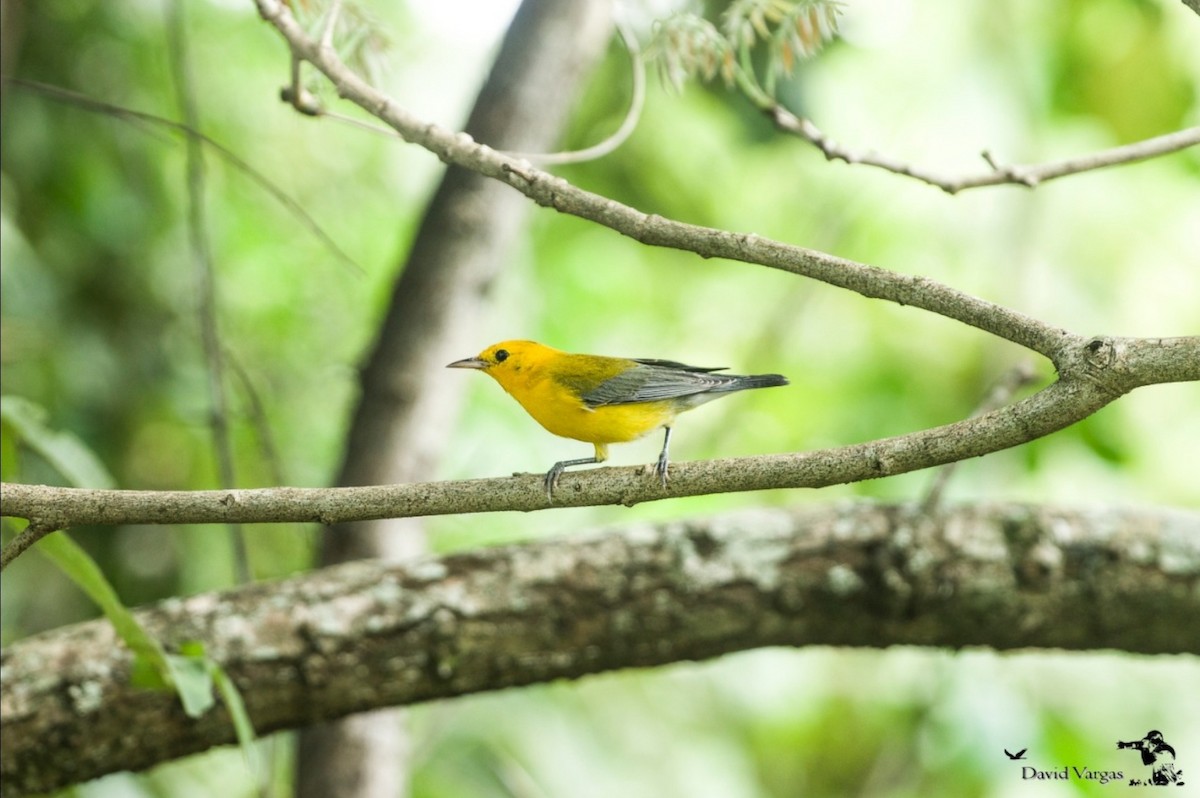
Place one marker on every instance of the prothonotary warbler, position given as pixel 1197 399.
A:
pixel 603 400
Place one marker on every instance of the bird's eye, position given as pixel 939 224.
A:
pixel 501 355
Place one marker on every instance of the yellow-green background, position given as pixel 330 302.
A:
pixel 99 327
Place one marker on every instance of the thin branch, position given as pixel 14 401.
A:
pixel 297 96
pixel 637 101
pixel 258 420
pixel 331 21
pixel 25 539
pixel 205 274
pixel 378 130
pixel 1057 406
pixel 364 635
pixel 1029 175
pixel 133 117
pixel 551 191
pixel 1018 377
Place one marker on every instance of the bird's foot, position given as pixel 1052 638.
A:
pixel 556 470
pixel 551 480
pixel 662 470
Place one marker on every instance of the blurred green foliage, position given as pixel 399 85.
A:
pixel 99 327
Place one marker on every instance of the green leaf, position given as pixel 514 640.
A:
pixel 193 679
pixel 196 675
pixel 189 672
pixel 66 453
pixel 241 719
pixel 83 571
pixel 144 674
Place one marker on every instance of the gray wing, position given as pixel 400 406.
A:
pixel 655 380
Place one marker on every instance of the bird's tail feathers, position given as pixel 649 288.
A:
pixel 741 383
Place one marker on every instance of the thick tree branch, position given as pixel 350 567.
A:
pixel 1101 369
pixel 1029 175
pixel 363 635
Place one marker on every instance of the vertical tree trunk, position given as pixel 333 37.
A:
pixel 398 431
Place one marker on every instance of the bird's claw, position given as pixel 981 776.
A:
pixel 662 471
pixel 551 480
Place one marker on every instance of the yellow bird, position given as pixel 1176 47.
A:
pixel 603 400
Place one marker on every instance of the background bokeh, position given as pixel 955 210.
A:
pixel 100 329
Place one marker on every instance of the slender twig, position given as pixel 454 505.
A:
pixel 378 130
pixel 628 124
pixel 608 145
pixel 1029 175
pixel 1018 377
pixel 331 21
pixel 297 96
pixel 206 282
pixel 24 539
pixel 258 420
pixel 147 122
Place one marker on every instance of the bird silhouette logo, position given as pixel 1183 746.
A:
pixel 1159 757
pixel 1018 755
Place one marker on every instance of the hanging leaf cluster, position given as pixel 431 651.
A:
pixel 775 35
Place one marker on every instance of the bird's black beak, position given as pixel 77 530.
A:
pixel 468 363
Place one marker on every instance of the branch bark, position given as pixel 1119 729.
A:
pixel 1028 175
pixel 1099 371
pixel 363 635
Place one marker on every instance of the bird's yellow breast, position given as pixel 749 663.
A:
pixel 562 411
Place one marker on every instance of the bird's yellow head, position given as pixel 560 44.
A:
pixel 504 361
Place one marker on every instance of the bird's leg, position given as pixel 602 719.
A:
pixel 556 470
pixel 661 467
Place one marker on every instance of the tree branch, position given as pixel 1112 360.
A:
pixel 547 190
pixel 24 539
pixel 364 635
pixel 1099 372
pixel 1017 378
pixel 1029 175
